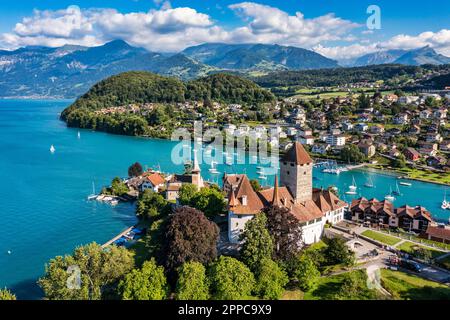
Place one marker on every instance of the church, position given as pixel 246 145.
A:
pixel 313 208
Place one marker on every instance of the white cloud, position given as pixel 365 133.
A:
pixel 439 41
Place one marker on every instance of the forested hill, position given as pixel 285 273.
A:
pixel 336 76
pixel 145 87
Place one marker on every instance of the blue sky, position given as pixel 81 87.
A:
pixel 334 28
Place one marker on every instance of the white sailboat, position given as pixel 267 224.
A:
pixel 52 149
pixel 445 204
pixel 352 189
pixel 79 135
pixel 397 191
pixel 389 196
pixel 92 196
pixel 369 183
pixel 406 184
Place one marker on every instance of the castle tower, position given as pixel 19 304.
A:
pixel 296 173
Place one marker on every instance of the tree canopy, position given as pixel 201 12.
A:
pixel 271 280
pixel 192 282
pixel 135 170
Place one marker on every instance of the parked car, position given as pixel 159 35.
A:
pixel 411 265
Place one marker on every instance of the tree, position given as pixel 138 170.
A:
pixel 118 187
pixel 363 101
pixel 257 242
pixel 285 231
pixel 192 282
pixel 271 280
pixel 147 283
pixel 231 279
pixel 135 170
pixel 186 193
pixel 354 287
pixel 152 205
pixel 210 201
pixel 190 236
pixel 337 252
pixel 5 294
pixel 255 185
pixel 400 161
pixel 90 269
pixel 307 273
pixel 351 153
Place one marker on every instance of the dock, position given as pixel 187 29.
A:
pixel 117 237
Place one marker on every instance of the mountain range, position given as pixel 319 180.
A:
pixel 70 71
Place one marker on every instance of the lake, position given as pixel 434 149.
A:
pixel 44 211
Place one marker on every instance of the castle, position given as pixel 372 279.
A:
pixel 313 208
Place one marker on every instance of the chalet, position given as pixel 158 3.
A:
pixel 411 154
pixel 153 181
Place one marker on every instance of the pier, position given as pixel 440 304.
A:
pixel 117 237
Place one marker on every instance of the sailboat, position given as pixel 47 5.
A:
pixel 92 196
pixel 397 191
pixel 79 135
pixel 352 189
pixel 445 204
pixel 389 196
pixel 369 183
pixel 52 149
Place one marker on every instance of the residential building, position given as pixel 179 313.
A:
pixel 367 147
pixel 153 181
pixel 411 154
pixel 335 140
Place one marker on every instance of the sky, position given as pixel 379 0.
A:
pixel 337 29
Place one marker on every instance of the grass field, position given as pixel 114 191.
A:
pixel 425 175
pixel 408 287
pixel 381 237
pixel 409 247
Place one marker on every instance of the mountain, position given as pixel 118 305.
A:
pixel 425 55
pixel 380 57
pixel 258 57
pixel 69 71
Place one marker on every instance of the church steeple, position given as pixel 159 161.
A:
pixel 276 197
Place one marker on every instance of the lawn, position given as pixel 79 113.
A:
pixel 407 236
pixel 381 237
pixel 409 287
pixel 292 294
pixel 409 247
pixel 426 175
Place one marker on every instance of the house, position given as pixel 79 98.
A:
pixel 411 154
pixel 335 140
pixel 377 129
pixel 383 214
pixel 312 208
pixel 367 148
pixel 425 114
pixel 173 191
pixel 320 148
pixel 153 181
pixel 436 161
pixel 361 127
pixel 409 99
pixel 308 140
pixel 440 233
pixel 347 126
pixel 391 98
pixel 414 130
pixel 433 137
pixel 401 118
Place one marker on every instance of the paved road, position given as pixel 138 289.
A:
pixel 363 248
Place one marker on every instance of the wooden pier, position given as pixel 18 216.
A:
pixel 117 237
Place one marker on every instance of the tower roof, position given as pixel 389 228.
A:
pixel 276 198
pixel 297 154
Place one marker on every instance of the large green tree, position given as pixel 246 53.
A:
pixel 192 282
pixel 210 201
pixel 337 252
pixel 257 242
pixel 152 205
pixel 147 283
pixel 307 273
pixel 186 193
pixel 231 279
pixel 351 153
pixel 86 274
pixel 190 236
pixel 270 280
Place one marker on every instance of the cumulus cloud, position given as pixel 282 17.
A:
pixel 440 41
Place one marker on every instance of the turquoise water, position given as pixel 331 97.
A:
pixel 43 209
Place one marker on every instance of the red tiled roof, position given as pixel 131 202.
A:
pixel 438 232
pixel 155 179
pixel 297 154
pixel 244 189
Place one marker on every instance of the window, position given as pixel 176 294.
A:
pixel 287 172
pixel 292 164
